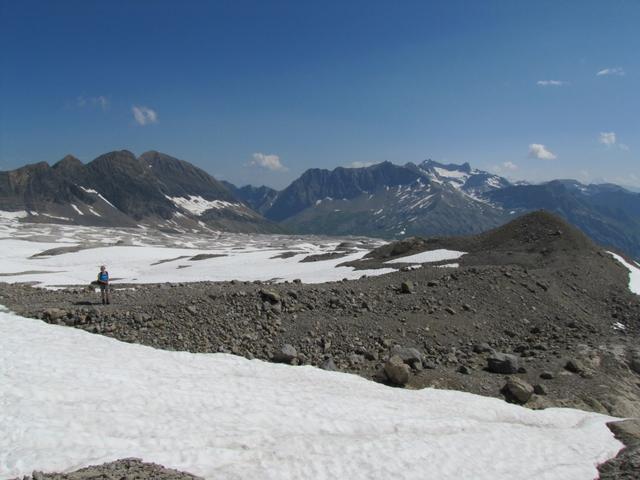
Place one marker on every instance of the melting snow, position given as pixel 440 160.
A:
pixel 429 256
pixel 71 399
pixel 634 273
pixel 452 174
pixel 90 190
pixel 12 215
pixel 77 209
pixel 198 205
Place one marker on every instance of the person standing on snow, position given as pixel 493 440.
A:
pixel 103 281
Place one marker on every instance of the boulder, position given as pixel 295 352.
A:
pixel 518 390
pixel 397 371
pixel 406 287
pixel 53 314
pixel 270 296
pixel 407 354
pixel 286 354
pixel 576 366
pixel 503 363
pixel 482 348
pixel 329 365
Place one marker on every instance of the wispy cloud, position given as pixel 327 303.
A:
pixel 618 71
pixel 100 101
pixel 611 140
pixel 539 151
pixel 144 115
pixel 552 83
pixel 268 161
pixel 607 138
pixel 361 164
pixel 504 168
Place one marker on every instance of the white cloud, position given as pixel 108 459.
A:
pixel 504 168
pixel 361 164
pixel 269 162
pixel 552 83
pixel 144 115
pixel 607 138
pixel 539 151
pixel 611 140
pixel 100 101
pixel 618 71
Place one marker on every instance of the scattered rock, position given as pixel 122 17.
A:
pixel 270 296
pixel 286 354
pixel 397 371
pixel 329 365
pixel 518 390
pixel 503 363
pixel 539 389
pixel 406 287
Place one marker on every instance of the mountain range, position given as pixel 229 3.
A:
pixel 383 200
pixel 120 189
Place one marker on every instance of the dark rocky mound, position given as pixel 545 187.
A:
pixel 125 469
pixel 540 233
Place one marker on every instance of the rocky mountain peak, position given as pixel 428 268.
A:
pixel 68 162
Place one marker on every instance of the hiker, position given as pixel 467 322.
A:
pixel 103 281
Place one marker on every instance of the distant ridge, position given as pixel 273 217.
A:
pixel 120 189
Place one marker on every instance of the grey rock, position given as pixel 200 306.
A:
pixel 397 371
pixel 286 354
pixel 503 363
pixel 539 389
pixel 518 390
pixel 270 296
pixel 329 365
pixel 406 287
pixel 482 348
pixel 407 354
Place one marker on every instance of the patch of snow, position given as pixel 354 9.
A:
pixel 77 209
pixel 619 326
pixel 90 190
pixel 56 217
pixel 429 256
pixel 449 265
pixel 421 203
pixel 494 182
pixel 93 211
pixel 13 215
pixel 634 273
pixel 71 399
pixel 198 205
pixel 451 174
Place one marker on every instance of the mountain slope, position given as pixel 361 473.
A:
pixel 259 199
pixel 120 189
pixel 387 200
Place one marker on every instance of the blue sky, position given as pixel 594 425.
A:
pixel 257 92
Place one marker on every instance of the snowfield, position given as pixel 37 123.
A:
pixel 70 399
pixel 148 256
pixel 438 255
pixel 634 273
